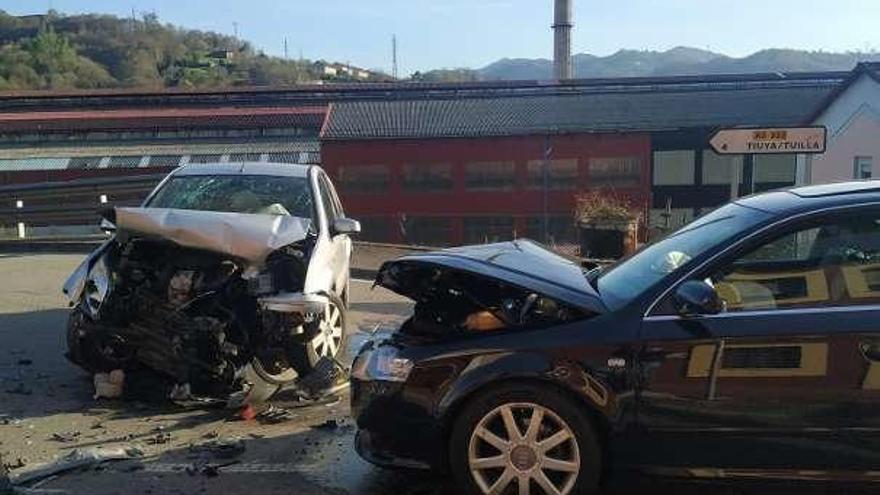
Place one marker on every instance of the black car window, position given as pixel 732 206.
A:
pixel 831 262
pixel 629 278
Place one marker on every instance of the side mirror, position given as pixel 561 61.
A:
pixel 696 297
pixel 346 226
pixel 107 227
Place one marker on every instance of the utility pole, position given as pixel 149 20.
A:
pixel 285 48
pixel 235 29
pixel 545 176
pixel 394 56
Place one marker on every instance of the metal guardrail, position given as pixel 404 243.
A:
pixel 72 202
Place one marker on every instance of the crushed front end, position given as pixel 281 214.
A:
pixel 218 317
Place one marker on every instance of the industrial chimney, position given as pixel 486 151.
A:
pixel 562 40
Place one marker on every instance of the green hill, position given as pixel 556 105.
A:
pixel 55 51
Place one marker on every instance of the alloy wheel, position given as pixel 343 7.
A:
pixel 523 449
pixel 330 332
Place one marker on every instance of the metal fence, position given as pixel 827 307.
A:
pixel 64 209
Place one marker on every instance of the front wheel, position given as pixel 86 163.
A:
pixel 329 340
pixel 525 440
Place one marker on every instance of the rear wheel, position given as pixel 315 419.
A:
pixel 329 340
pixel 525 440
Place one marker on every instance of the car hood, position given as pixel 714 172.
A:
pixel 246 236
pixel 522 263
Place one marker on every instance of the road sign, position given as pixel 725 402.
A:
pixel 774 140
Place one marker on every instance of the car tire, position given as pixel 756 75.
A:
pixel 73 339
pixel 305 356
pixel 85 350
pixel 481 453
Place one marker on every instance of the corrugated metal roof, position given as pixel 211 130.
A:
pixel 165 118
pixel 609 110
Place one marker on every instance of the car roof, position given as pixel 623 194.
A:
pixel 817 197
pixel 245 168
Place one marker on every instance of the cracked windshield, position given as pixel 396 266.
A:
pixel 422 247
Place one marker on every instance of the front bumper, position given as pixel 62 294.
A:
pixel 394 429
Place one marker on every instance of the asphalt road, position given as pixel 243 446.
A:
pixel 48 411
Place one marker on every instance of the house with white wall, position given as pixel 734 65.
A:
pixel 852 116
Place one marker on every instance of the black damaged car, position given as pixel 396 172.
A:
pixel 745 345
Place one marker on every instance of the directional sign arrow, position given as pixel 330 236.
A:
pixel 776 140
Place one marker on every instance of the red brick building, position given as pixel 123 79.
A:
pixel 456 190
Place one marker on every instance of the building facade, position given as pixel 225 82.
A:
pixel 444 164
pixel 459 191
pixel 852 117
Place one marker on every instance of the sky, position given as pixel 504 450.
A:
pixel 473 33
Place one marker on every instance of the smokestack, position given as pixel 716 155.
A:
pixel 562 40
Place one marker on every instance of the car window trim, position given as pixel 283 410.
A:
pixel 732 247
pixel 769 312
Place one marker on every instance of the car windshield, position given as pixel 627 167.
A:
pixel 260 194
pixel 623 281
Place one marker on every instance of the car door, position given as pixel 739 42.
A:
pixel 787 376
pixel 340 244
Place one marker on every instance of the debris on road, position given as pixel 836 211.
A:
pixel 274 415
pixel 330 424
pixel 208 469
pixel 328 377
pixel 76 459
pixel 65 436
pixel 109 385
pixel 6 420
pixel 160 438
pixel 224 448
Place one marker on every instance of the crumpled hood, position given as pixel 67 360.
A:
pixel 250 237
pixel 521 263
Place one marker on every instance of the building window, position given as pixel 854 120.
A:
pixel 560 229
pixel 245 157
pixel 863 167
pixel 84 162
pixel 774 171
pixel 290 157
pixel 674 168
pixel 721 169
pixel 204 158
pixel 363 179
pixel 490 176
pixel 481 230
pixel 561 174
pixel 163 161
pixel 124 162
pixel 423 177
pixel 427 231
pixel 623 171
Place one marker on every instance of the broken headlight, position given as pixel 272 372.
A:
pixel 96 287
pixel 381 364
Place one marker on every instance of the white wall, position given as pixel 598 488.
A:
pixel 853 123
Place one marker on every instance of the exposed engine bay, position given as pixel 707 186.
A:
pixel 209 322
pixel 452 302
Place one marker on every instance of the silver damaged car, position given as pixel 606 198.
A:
pixel 230 276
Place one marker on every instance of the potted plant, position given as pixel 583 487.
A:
pixel 607 224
